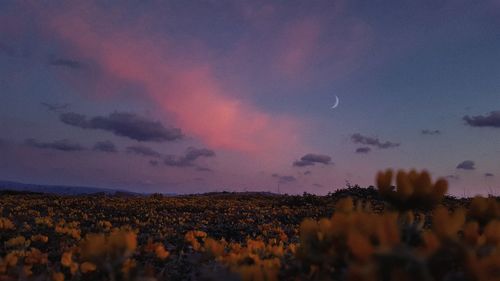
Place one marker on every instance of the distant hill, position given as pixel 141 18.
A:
pixel 61 189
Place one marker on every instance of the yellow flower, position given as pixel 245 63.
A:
pixel 492 232
pixel 128 265
pixel 160 252
pixel 214 247
pixel 471 233
pixel 447 225
pixel 345 205
pixel 73 268
pixel 11 259
pixel 39 238
pixel 431 243
pixel 27 270
pixel 16 241
pixel 384 180
pixel 66 259
pixel 6 224
pixel 34 256
pixel 360 246
pixel 58 276
pixel 86 267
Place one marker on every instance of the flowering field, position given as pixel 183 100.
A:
pixel 404 229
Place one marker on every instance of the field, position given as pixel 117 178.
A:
pixel 408 232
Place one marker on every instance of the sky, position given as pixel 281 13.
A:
pixel 200 96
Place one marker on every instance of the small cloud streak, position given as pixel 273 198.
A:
pixel 105 146
pixel 311 159
pixel 55 107
pixel 430 132
pixel 143 150
pixel 490 120
pixel 125 125
pixel 467 165
pixel 284 179
pixel 358 138
pixel 61 145
pixel 363 150
pixel 489 175
pixel 203 169
pixel 69 63
pixel 188 159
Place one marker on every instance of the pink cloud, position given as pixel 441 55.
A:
pixel 185 89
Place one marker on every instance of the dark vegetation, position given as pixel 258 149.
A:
pixel 406 231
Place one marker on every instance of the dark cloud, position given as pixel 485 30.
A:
pixel 311 159
pixel 488 175
pixel 55 107
pixel 491 120
pixel 69 63
pixel 62 145
pixel 143 150
pixel 363 150
pixel 284 179
pixel 431 132
pixel 307 173
pixel 154 163
pixel 466 165
pixel 358 138
pixel 124 124
pixel 75 119
pixel 317 185
pixel 188 159
pixel 195 153
pixel 105 146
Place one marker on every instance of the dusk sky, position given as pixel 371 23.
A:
pixel 198 96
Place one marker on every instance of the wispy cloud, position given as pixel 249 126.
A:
pixel 61 145
pixel 105 146
pixel 284 178
pixel 143 150
pixel 363 150
pixel 124 124
pixel 69 63
pixel 358 138
pixel 203 169
pixel 311 159
pixel 188 159
pixel 55 107
pixel 452 177
pixel 430 132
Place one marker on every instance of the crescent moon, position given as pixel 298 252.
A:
pixel 336 102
